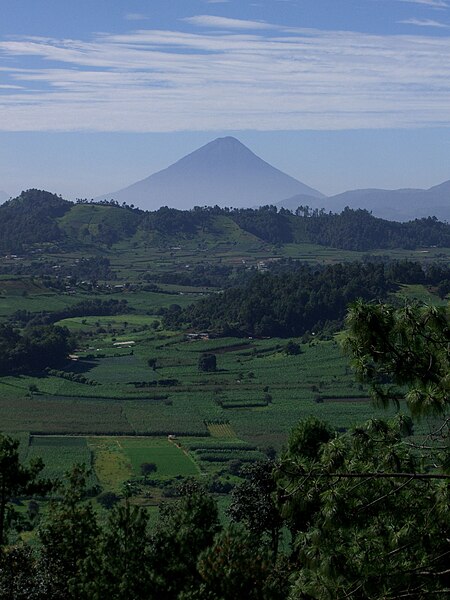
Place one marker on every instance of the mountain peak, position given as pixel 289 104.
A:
pixel 225 142
pixel 228 139
pixel 223 172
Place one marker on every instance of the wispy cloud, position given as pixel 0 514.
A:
pixel 425 23
pixel 136 17
pixel 226 23
pixel 430 3
pixel 233 77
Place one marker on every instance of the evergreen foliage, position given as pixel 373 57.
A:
pixel 31 218
pixel 207 363
pixel 16 480
pixel 287 305
pixel 404 346
pixel 368 509
pixel 37 348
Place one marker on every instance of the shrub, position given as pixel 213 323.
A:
pixel 108 499
pixel 207 363
pixel 292 348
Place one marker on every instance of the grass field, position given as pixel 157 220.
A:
pixel 421 293
pixel 112 467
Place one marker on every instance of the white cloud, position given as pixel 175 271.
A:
pixel 136 17
pixel 155 80
pixel 430 3
pixel 226 23
pixel 424 23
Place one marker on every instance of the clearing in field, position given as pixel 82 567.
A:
pixel 111 465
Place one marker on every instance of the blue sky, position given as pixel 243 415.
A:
pixel 341 94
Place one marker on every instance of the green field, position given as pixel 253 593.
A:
pixel 169 458
pixel 259 390
pixel 109 409
pixel 60 454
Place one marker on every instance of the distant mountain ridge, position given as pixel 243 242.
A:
pixel 224 172
pixel 37 221
pixel 393 205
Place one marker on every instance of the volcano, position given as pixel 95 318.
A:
pixel 223 172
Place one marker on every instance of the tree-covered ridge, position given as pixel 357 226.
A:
pixel 359 230
pixel 170 221
pixel 38 217
pixel 292 298
pixel 350 230
pixel 266 223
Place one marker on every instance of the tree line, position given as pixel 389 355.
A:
pixel 31 342
pixel 287 304
pixel 349 230
pixel 85 308
pixel 32 219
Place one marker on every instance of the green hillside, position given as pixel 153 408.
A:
pixel 39 221
pixel 95 224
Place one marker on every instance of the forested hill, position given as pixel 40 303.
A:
pixel 37 218
pixel 294 299
pixel 359 230
pixel 287 304
pixel 31 218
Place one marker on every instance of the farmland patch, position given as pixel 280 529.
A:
pixel 112 466
pixel 60 454
pixel 168 456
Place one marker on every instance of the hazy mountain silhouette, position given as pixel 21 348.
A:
pixel 394 205
pixel 223 172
